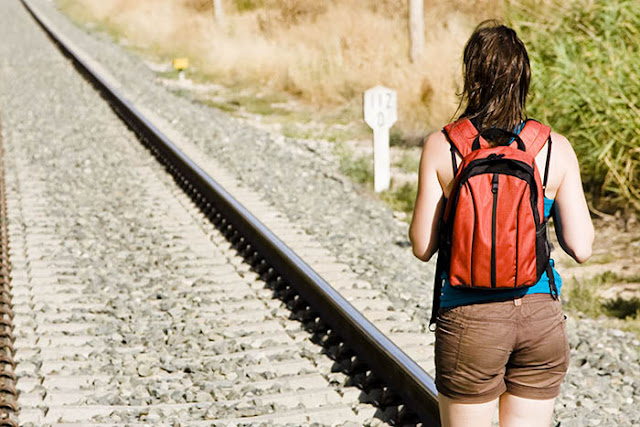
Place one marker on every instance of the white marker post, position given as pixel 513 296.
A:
pixel 380 113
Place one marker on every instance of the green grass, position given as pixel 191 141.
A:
pixel 605 258
pixel 401 198
pixel 247 5
pixel 263 105
pixel 293 129
pixel 410 161
pixel 585 77
pixel 170 74
pixel 225 106
pixel 359 169
pixel 583 296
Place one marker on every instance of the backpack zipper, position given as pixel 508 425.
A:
pixel 494 190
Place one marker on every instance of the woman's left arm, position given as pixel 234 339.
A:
pixel 429 203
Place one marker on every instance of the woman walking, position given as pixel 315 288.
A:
pixel 500 331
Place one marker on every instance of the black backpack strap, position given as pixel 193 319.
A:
pixel 454 161
pixel 546 167
pixel 437 289
pixel 454 150
pixel 441 265
pixel 552 281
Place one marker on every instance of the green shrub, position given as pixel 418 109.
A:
pixel 585 58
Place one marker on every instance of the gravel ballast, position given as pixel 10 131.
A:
pixel 130 307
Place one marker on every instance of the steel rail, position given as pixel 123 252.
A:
pixel 405 377
pixel 8 392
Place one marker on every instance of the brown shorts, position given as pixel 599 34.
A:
pixel 519 346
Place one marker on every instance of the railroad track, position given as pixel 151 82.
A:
pixel 8 390
pixel 388 376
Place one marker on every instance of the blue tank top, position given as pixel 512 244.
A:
pixel 453 297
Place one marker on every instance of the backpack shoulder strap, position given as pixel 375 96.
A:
pixel 534 135
pixel 461 135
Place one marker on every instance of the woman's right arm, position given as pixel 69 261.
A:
pixel 429 202
pixel 572 219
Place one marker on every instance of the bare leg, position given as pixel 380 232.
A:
pixel 453 414
pixel 520 412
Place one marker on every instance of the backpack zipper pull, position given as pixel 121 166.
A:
pixel 494 184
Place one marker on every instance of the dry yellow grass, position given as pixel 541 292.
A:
pixel 324 52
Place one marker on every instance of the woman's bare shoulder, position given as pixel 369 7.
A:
pixel 436 139
pixel 563 162
pixel 436 156
pixel 561 145
pixel 435 145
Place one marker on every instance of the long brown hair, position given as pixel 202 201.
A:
pixel 496 77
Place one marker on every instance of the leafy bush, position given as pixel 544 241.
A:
pixel 586 84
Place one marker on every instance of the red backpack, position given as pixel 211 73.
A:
pixel 493 233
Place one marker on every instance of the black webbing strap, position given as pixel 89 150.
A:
pixel 441 264
pixel 454 161
pixel 552 281
pixel 454 150
pixel 546 167
pixel 437 289
pixel 552 278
